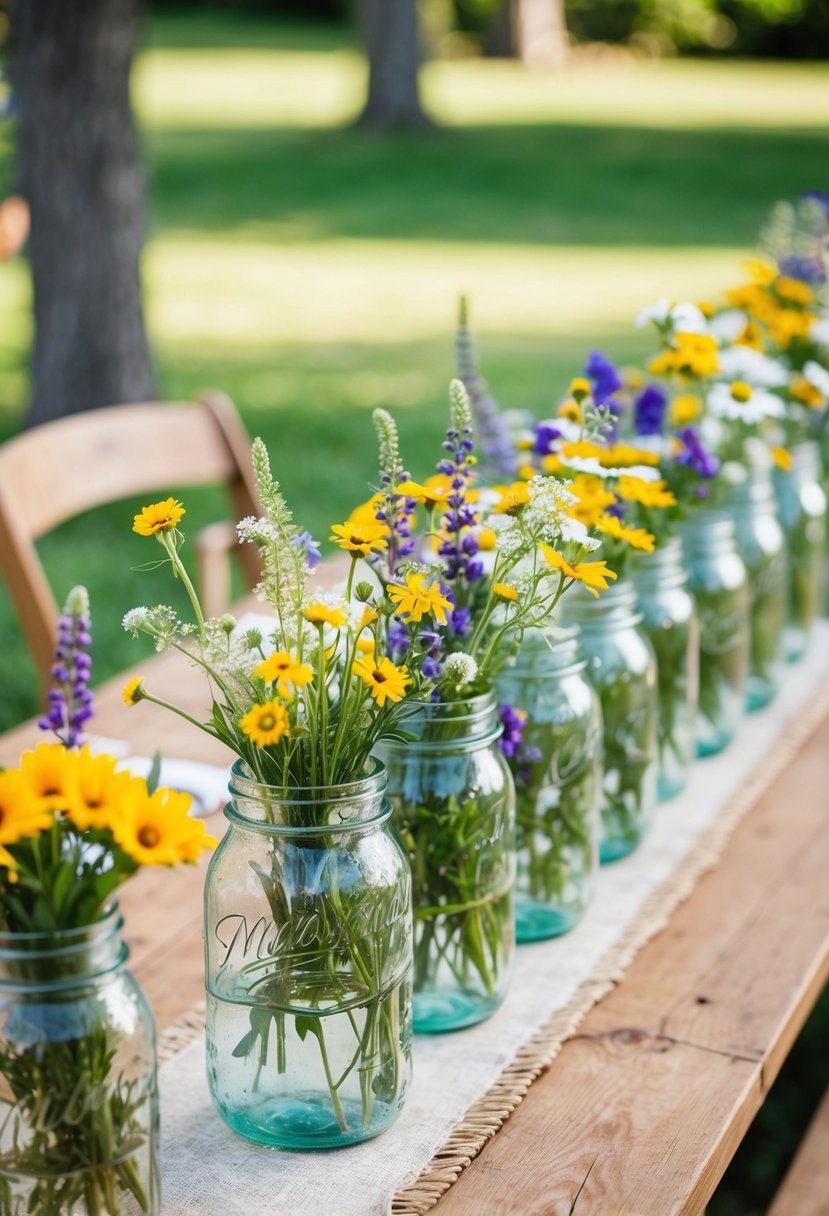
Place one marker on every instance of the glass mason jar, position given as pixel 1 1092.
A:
pixel 78 1095
pixel 622 668
pixel 718 581
pixel 308 960
pixel 802 505
pixel 454 808
pixel 670 621
pixel 557 770
pixel 761 545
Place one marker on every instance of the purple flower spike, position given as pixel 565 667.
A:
pixel 649 410
pixel 606 379
pixel 70 701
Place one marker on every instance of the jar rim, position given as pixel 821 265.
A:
pixel 307 795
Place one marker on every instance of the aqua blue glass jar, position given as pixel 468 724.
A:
pixel 719 584
pixel 454 810
pixel 802 504
pixel 761 545
pixel 670 621
pixel 622 668
pixel 78 1093
pixel 557 769
pixel 308 962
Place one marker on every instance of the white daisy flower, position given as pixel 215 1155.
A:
pixel 743 363
pixel 739 402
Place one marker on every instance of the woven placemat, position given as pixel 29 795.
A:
pixel 484 1118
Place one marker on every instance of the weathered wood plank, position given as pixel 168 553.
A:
pixel 643 1109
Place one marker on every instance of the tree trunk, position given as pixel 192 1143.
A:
pixel 534 31
pixel 390 36
pixel 82 176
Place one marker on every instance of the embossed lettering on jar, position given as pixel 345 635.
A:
pixel 308 942
pixel 557 768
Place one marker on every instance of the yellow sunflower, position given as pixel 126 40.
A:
pixel 265 724
pixel 647 493
pixel 158 517
pixel 637 538
pixel 285 671
pixel 47 772
pixel 386 682
pixel 593 575
pixel 156 829
pixel 414 600
pixel 365 538
pixel 21 812
pixel 96 791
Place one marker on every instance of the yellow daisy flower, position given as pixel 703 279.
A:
pixel 685 407
pixel 487 540
pixel 324 614
pixel 96 791
pixel 362 538
pixel 592 498
pixel 570 410
pixel 761 271
pixel 593 575
pixel 285 671
pixel 647 493
pixel 782 459
pixel 368 618
pixel 386 682
pixel 504 591
pixel 158 517
pixel 21 812
pixel 366 645
pixel 794 291
pixel 7 862
pixel 807 393
pixel 133 691
pixel 366 512
pixel 579 388
pixel 265 724
pixel 426 495
pixel 156 829
pixel 637 538
pixel 415 600
pixel 512 498
pixel 688 355
pixel 47 772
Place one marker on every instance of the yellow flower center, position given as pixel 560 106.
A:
pixel 741 391
pixel 149 836
pixel 267 722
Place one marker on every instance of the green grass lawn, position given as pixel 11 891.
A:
pixel 312 271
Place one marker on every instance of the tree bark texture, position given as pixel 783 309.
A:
pixel 81 173
pixel 390 35
pixel 534 31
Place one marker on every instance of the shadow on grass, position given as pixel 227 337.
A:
pixel 558 184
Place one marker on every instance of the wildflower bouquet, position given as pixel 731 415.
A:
pixel 77 1114
pixel 309 1031
pixel 469 570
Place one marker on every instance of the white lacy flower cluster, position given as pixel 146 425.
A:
pixel 161 623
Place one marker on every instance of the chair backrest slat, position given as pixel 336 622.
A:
pixel 57 471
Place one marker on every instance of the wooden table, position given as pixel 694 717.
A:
pixel 643 1109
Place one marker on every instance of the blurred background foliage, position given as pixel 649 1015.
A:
pixel 774 29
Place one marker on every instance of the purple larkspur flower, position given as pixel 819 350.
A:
pixel 695 456
pixel 459 621
pixel 514 723
pixel 649 410
pixel 398 639
pixel 604 377
pixel 819 196
pixel 546 434
pixel 69 703
pixel 808 269
pixel 431 667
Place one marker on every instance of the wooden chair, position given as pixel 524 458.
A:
pixel 50 474
pixel 805 1189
